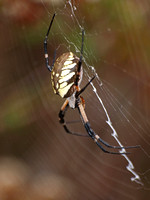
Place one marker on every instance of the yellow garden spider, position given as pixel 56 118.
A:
pixel 66 76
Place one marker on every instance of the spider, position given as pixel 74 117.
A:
pixel 66 76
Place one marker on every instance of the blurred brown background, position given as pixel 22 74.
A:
pixel 38 160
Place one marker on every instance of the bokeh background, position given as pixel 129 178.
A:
pixel 38 160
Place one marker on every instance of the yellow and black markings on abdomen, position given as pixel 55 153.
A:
pixel 64 74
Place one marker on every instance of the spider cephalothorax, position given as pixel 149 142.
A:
pixel 66 75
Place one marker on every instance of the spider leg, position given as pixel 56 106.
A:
pixel 117 147
pixel 96 137
pixel 62 121
pixel 82 90
pixel 45 47
pixel 81 53
pixel 80 60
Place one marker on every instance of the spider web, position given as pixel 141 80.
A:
pixel 115 112
pixel 106 98
pixel 70 10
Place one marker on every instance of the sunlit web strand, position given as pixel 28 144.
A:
pixel 130 166
pixel 122 111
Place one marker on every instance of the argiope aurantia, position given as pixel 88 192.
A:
pixel 66 76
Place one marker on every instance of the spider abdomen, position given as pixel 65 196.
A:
pixel 64 74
